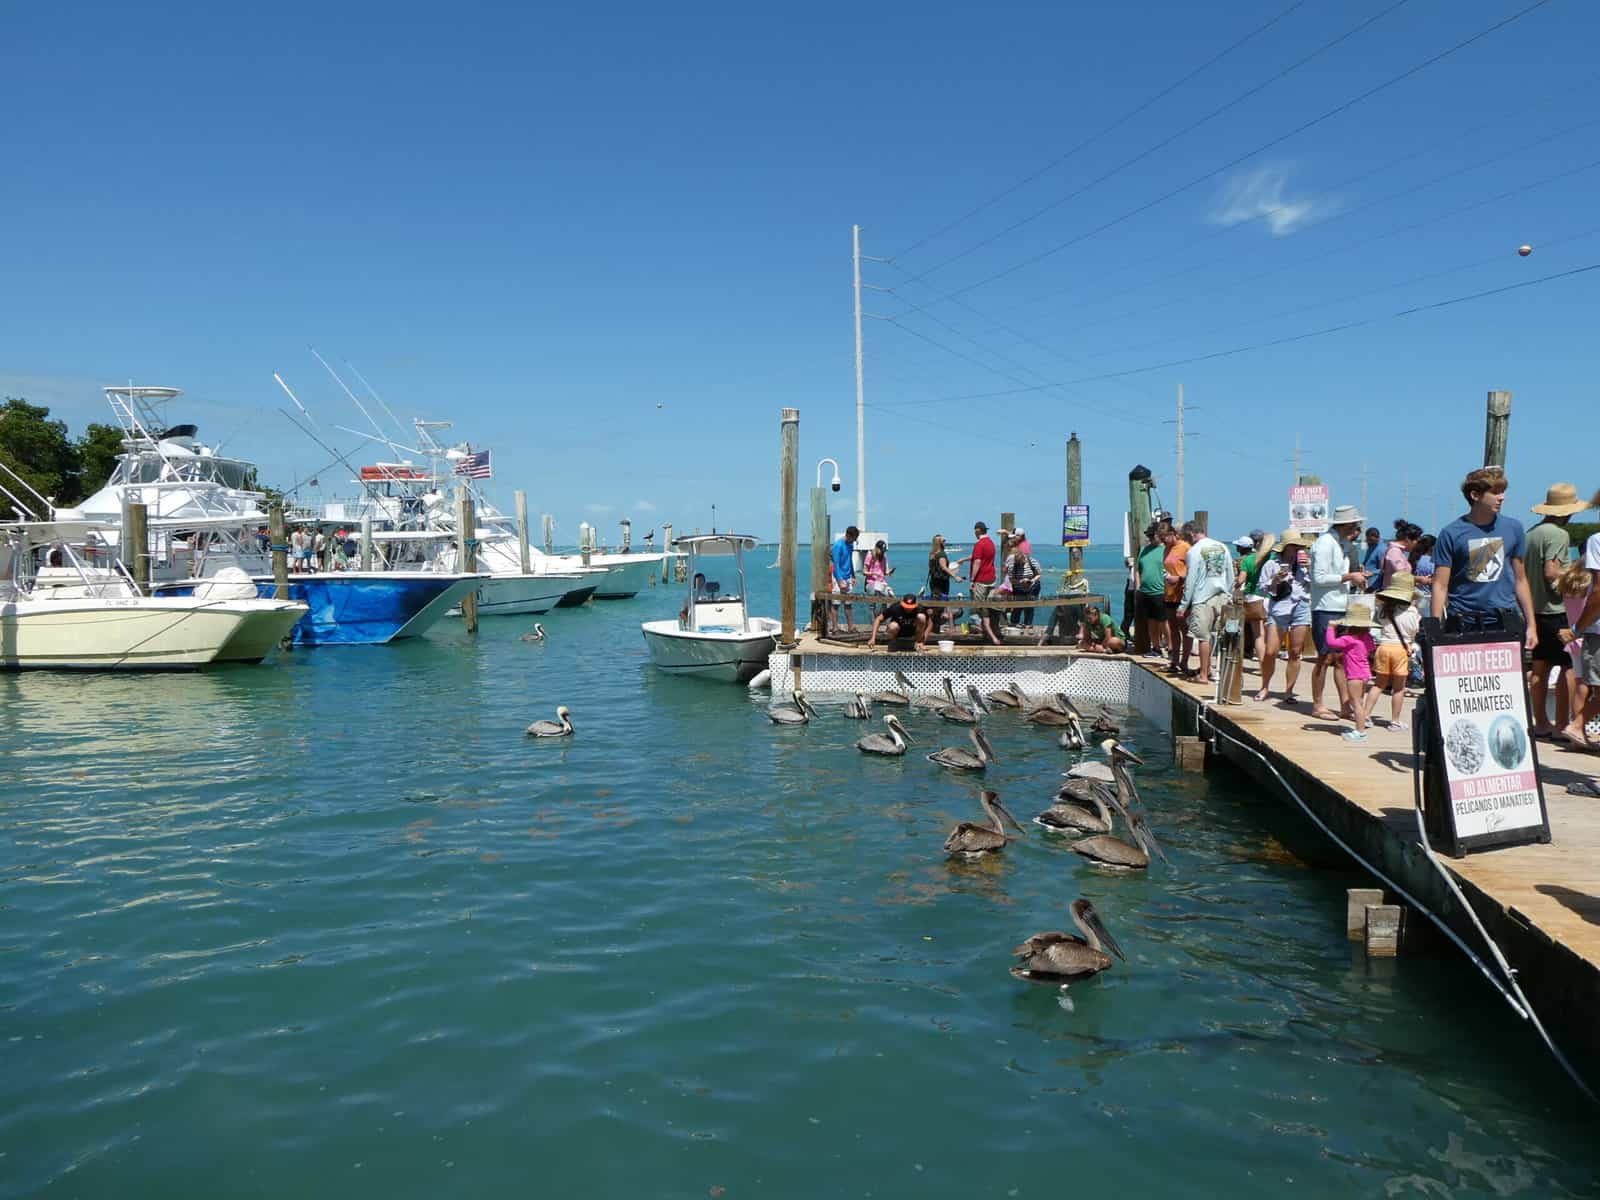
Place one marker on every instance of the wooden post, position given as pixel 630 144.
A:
pixel 467 539
pixel 788 527
pixel 1356 901
pixel 1202 518
pixel 366 542
pixel 1497 429
pixel 821 543
pixel 136 544
pixel 522 530
pixel 666 544
pixel 1384 922
pixel 1074 494
pixel 278 535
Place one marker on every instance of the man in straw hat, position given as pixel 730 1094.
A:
pixel 1479 579
pixel 1546 554
pixel 1332 579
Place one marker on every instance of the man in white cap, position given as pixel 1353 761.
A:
pixel 1206 587
pixel 1331 582
pixel 1543 558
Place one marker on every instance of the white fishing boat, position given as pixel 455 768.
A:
pixel 713 636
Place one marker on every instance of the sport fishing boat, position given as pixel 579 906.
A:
pixel 713 637
pixel 67 615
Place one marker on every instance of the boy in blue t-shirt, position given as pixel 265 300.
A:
pixel 1478 571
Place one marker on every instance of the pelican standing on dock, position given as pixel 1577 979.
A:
pixel 560 727
pixel 858 709
pixel 798 713
pixel 1062 958
pixel 971 838
pixel 966 714
pixel 959 758
pixel 892 744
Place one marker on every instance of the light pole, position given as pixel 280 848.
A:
pixel 821 544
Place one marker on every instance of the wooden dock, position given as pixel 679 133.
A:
pixel 1541 903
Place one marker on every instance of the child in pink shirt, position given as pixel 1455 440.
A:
pixel 1354 641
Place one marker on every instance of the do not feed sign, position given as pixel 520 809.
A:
pixel 1488 762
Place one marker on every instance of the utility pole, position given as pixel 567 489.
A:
pixel 1181 509
pixel 1497 429
pixel 1363 489
pixel 1297 460
pixel 861 404
pixel 1405 497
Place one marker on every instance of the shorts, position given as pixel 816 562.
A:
pixel 982 591
pixel 1150 607
pixel 1550 648
pixel 1291 614
pixel 1392 659
pixel 1205 618
pixel 842 587
pixel 1589 659
pixel 1321 622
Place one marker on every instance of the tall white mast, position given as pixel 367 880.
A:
pixel 861 405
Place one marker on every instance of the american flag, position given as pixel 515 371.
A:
pixel 475 466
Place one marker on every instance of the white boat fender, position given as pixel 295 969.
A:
pixel 762 680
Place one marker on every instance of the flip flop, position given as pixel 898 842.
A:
pixel 1583 787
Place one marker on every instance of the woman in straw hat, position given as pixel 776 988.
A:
pixel 1353 640
pixel 1543 559
pixel 1394 635
pixel 1285 584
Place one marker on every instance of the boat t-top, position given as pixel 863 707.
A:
pixel 713 636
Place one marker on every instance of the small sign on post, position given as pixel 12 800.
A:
pixel 1308 508
pixel 1481 785
pixel 1074 526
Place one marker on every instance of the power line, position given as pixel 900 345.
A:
pixel 1095 137
pixel 1166 141
pixel 1283 137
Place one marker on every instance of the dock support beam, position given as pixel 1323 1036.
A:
pixel 136 544
pixel 1497 429
pixel 467 535
pixel 521 498
pixel 788 471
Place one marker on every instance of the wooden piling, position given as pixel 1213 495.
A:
pixel 136 544
pixel 1384 922
pixel 1202 520
pixel 1497 429
pixel 788 470
pixel 366 542
pixel 1190 752
pixel 1074 494
pixel 1356 903
pixel 467 541
pixel 278 535
pixel 821 543
pixel 523 553
pixel 666 544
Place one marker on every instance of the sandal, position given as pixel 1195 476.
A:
pixel 1583 787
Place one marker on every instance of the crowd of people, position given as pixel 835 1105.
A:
pixel 313 550
pixel 1356 602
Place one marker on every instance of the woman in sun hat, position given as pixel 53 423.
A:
pixel 1395 634
pixel 1543 559
pixel 1284 583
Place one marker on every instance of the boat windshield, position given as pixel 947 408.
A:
pixel 150 467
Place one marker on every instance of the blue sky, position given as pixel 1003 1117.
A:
pixel 545 223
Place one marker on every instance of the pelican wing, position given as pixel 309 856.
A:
pixel 1111 851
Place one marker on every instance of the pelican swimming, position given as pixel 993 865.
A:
pixel 561 727
pixel 1119 752
pixel 1069 813
pixel 858 709
pixel 1062 958
pixel 1103 724
pixel 536 634
pixel 966 714
pixel 901 698
pixel 959 758
pixel 971 838
pixel 798 713
pixel 1109 851
pixel 1009 696
pixel 1057 711
pixel 892 743
pixel 1072 734
pixel 948 700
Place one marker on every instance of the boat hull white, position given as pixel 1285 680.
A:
pixel 515 594
pixel 732 657
pixel 151 634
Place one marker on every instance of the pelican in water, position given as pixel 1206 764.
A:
pixel 936 703
pixel 959 758
pixel 798 713
pixel 1109 851
pixel 1009 696
pixel 971 838
pixel 966 714
pixel 1063 958
pixel 560 727
pixel 1119 753
pixel 901 698
pixel 1097 771
pixel 1104 725
pixel 858 709
pixel 536 634
pixel 1072 734
pixel 1070 813
pixel 1057 711
pixel 892 743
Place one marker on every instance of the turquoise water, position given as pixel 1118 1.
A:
pixel 335 927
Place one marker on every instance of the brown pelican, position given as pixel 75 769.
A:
pixel 1069 813
pixel 1057 711
pixel 948 700
pixel 798 713
pixel 1104 725
pixel 1009 696
pixel 901 698
pixel 536 634
pixel 1097 771
pixel 1072 734
pixel 1111 851
pixel 1119 752
pixel 1063 958
pixel 892 744
pixel 561 727
pixel 858 709
pixel 959 758
pixel 971 838
pixel 966 714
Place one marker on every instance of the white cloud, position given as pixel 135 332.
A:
pixel 1258 195
pixel 643 506
pixel 601 509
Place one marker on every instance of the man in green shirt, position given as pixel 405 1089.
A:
pixel 1099 632
pixel 1150 605
pixel 1546 555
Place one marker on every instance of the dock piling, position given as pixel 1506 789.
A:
pixel 521 498
pixel 136 544
pixel 821 543
pixel 467 536
pixel 1074 496
pixel 789 467
pixel 1356 903
pixel 1497 429
pixel 278 539
pixel 1384 922
pixel 366 542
